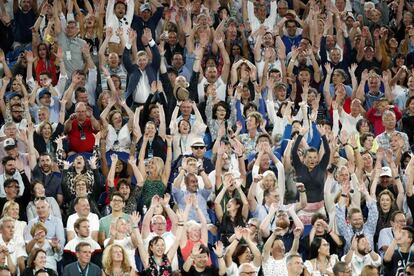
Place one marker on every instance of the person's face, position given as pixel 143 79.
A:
pixel 268 182
pixel 84 255
pixel 12 152
pixel 122 226
pixel 364 127
pixel 177 61
pixel 83 207
pixel 324 248
pixel 232 205
pixel 192 184
pixel 25 5
pixel 194 233
pixel 10 167
pixel 246 257
pixel 273 197
pixel 119 166
pixel 155 113
pixel 265 162
pixel 47 131
pixel 405 237
pixel 80 188
pixel 410 107
pixel 184 127
pixel 10 131
pixel 116 254
pixel 79 162
pixel 362 245
pixel 117 120
pixel 296 266
pixel 220 113
pixel 14 211
pixel 369 54
pixel 389 122
pixel 304 76
pixel 142 61
pixel 40 260
pixel 120 10
pixel 83 230
pixel 311 159
pixel 343 175
pixel 43 115
pixel 211 74
pixel 198 151
pixel 113 60
pixel 335 56
pixel 201 260
pixel 7 231
pixel 399 221
pixel 159 226
pixel 39 190
pixel 17 113
pixel 71 29
pixel 42 209
pixel 291 28
pixel 278 248
pixel 186 108
pixel 150 130
pixel 158 210
pixel 117 203
pixel 146 15
pixel 357 220
pixel 81 110
pixel 330 42
pixel 42 50
pixel 124 190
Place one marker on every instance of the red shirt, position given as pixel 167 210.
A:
pixel 376 119
pixel 77 144
pixel 46 66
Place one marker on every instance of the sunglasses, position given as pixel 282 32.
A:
pixel 40 198
pixel 198 147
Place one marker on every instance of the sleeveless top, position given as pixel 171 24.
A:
pixel 150 189
pixel 227 228
pixel 163 269
pixel 118 141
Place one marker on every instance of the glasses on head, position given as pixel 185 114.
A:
pixel 198 147
pixel 159 223
pixel 248 273
pixel 40 198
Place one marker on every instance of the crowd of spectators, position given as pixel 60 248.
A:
pixel 206 137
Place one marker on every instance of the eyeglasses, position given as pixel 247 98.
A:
pixel 117 200
pixel 17 111
pixel 198 147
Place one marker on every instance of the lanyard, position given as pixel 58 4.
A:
pixel 267 212
pixel 81 271
pixel 405 262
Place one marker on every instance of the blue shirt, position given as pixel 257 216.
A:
pixel 202 196
pixel 54 228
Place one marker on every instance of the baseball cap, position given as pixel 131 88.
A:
pixel 145 7
pixel 13 94
pixel 386 171
pixel 43 92
pixel 9 143
pixel 280 85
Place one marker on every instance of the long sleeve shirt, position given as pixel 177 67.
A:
pixel 346 230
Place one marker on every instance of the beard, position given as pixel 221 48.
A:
pixel 10 172
pixel 282 223
pixel 362 252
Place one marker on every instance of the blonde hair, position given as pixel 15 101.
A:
pixel 7 206
pixel 159 164
pixel 37 226
pixel 272 175
pixel 107 259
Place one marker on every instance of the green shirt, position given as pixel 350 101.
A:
pixel 105 223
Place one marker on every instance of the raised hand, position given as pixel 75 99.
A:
pixel 155 200
pixel 218 249
pixel 135 218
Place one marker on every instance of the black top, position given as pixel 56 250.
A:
pixel 29 272
pixel 314 180
pixel 398 262
pixel 208 271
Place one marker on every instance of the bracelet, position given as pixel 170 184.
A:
pixel 22 171
pixel 219 257
pixel 187 35
pixel 237 239
pixel 41 15
pixel 241 156
pixel 302 191
pixel 397 177
pixel 344 195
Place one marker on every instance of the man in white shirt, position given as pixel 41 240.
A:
pixel 119 14
pixel 83 210
pixel 81 227
pixel 16 247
